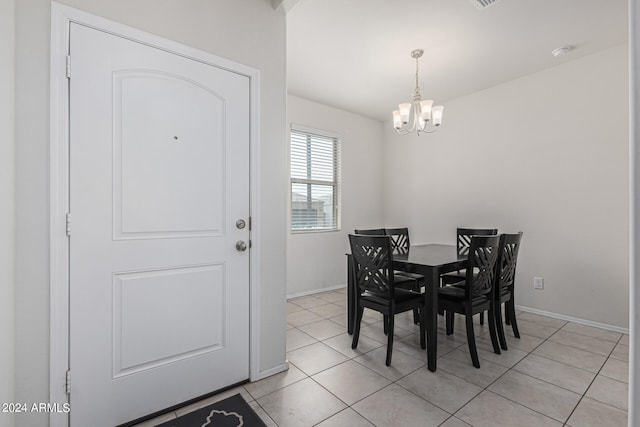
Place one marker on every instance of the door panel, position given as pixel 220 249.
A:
pixel 188 309
pixel 159 167
pixel 153 195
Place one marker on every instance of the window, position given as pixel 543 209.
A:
pixel 315 171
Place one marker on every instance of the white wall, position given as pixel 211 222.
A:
pixel 317 260
pixel 546 154
pixel 634 194
pixel 247 31
pixel 7 9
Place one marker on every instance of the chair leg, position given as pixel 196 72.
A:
pixel 449 316
pixel 356 329
pixel 471 341
pixel 423 323
pixel 416 312
pixel 500 327
pixel 507 317
pixel 492 328
pixel 482 318
pixel 385 324
pixel 512 316
pixel 390 340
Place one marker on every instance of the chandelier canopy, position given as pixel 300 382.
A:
pixel 425 118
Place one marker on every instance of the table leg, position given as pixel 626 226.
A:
pixel 351 311
pixel 431 304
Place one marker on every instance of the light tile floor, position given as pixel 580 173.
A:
pixel 558 373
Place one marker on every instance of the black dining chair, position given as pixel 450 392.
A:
pixel 376 288
pixel 463 240
pixel 399 239
pixel 370 232
pixel 475 295
pixel 402 279
pixel 400 243
pixel 504 284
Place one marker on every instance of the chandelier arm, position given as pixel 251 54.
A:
pixel 413 126
pixel 430 128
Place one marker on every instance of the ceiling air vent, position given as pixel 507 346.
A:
pixel 483 4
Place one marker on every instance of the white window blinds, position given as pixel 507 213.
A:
pixel 315 167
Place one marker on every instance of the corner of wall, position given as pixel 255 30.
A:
pixel 634 194
pixel 7 195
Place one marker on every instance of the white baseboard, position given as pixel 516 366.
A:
pixel 574 319
pixel 315 291
pixel 272 371
pixel 519 307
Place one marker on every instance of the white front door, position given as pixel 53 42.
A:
pixel 159 175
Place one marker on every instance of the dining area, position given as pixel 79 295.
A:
pixel 557 183
pixel 472 277
pixel 557 373
pixel 435 334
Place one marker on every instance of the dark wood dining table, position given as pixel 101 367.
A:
pixel 431 261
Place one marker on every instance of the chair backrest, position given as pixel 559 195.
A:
pixel 399 239
pixel 463 237
pixel 507 259
pixel 481 268
pixel 373 264
pixel 371 232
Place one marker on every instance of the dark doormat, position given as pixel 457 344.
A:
pixel 231 412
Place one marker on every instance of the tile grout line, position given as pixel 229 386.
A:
pixel 265 411
pixel 557 361
pixel 582 395
pixel 391 382
pixel 452 415
pixel 503 374
pixel 591 383
pixel 529 352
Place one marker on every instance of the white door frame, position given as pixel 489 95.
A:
pixel 61 17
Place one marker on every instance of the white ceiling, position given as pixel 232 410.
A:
pixel 354 54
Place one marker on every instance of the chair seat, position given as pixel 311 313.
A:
pixel 452 278
pixel 505 295
pixel 460 275
pixel 401 295
pixel 456 293
pixel 402 280
pixel 414 276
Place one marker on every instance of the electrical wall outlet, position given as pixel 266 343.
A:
pixel 538 283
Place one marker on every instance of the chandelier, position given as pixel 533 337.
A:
pixel 425 118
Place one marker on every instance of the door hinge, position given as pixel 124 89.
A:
pixel 67 382
pixel 249 223
pixel 68 66
pixel 68 229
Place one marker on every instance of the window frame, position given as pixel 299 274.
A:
pixel 335 183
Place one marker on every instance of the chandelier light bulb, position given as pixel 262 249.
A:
pixel 397 121
pixel 405 110
pixel 425 109
pixel 437 115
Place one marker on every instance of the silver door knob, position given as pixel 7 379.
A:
pixel 241 246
